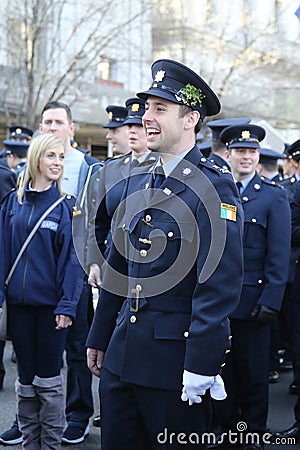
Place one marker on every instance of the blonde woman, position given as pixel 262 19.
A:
pixel 43 292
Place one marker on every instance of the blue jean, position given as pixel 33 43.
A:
pixel 79 398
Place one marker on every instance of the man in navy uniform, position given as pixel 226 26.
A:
pixel 219 152
pixel 268 164
pixel 294 430
pixel 267 237
pixel 15 154
pixel 116 132
pixel 160 333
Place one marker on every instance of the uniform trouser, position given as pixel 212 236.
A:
pixel 141 418
pixel 79 398
pixel 295 326
pixel 246 379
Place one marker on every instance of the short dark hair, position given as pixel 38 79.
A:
pixel 184 110
pixel 58 105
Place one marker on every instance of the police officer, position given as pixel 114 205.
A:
pixel 294 430
pixel 161 319
pixel 15 154
pixel 116 132
pixel 268 164
pixel 219 153
pixel 266 245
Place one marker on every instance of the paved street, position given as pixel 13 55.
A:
pixel 281 409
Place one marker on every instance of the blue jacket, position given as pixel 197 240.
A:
pixel 267 245
pixel 181 255
pixel 49 272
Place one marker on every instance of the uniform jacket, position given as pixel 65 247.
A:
pixel 186 273
pixel 296 240
pixel 219 161
pixel 290 184
pixel 48 272
pixel 85 205
pixel 267 243
pixel 111 187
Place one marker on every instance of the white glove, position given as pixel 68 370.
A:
pixel 195 385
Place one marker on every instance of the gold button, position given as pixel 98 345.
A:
pixel 259 281
pixel 186 334
pixel 133 319
pixel 229 338
pixel 253 220
pixel 138 287
pixel 222 365
pixel 170 234
pixel 148 218
pixel 203 159
pixel 124 226
pixel 143 253
pixel 227 351
pixel 69 197
pixel 105 242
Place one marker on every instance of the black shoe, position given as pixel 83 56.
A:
pixel 292 432
pixel 11 436
pixel 294 389
pixel 75 434
pixel 274 376
pixel 97 421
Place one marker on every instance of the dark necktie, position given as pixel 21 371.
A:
pixel 158 177
pixel 239 186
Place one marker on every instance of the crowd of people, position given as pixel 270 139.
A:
pixel 195 259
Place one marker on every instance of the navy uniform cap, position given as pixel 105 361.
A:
pixel 175 82
pixel 245 135
pixel 294 150
pixel 15 147
pixel 116 116
pixel 217 126
pixel 135 111
pixel 20 132
pixel 268 156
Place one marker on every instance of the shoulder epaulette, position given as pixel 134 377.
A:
pixel 270 182
pixel 210 165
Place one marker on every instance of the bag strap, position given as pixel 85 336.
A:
pixel 30 236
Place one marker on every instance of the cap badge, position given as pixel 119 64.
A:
pixel 186 171
pixel 135 107
pixel 18 130
pixel 246 134
pixel 160 75
pixel 110 116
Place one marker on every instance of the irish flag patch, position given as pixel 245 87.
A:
pixel 228 212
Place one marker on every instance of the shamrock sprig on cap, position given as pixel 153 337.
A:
pixel 190 95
